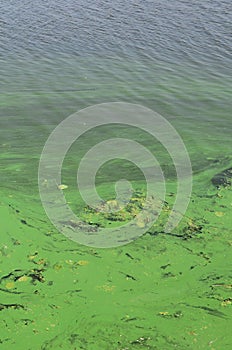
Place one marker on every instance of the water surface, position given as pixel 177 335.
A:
pixel 162 291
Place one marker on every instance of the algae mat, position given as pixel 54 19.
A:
pixel 163 291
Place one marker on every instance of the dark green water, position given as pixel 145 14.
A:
pixel 163 291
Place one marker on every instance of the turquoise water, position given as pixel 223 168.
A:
pixel 161 291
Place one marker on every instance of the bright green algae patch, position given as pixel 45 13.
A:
pixel 163 291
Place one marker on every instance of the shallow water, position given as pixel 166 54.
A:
pixel 163 291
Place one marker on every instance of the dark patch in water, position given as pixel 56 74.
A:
pixel 224 178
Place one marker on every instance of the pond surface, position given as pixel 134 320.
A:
pixel 164 290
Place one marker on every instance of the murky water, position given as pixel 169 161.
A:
pixel 163 291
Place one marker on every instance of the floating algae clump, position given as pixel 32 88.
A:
pixel 112 213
